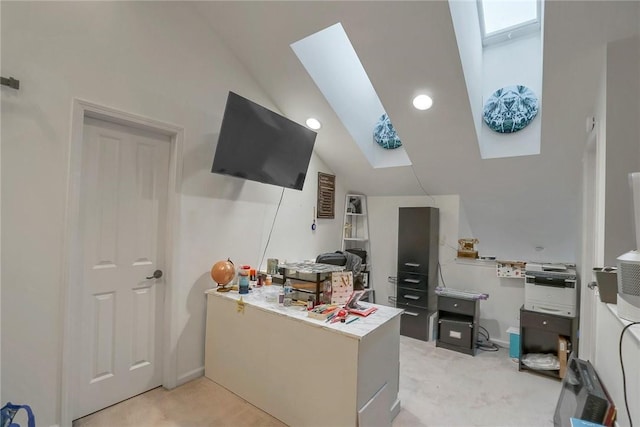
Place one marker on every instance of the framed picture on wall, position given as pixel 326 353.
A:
pixel 326 195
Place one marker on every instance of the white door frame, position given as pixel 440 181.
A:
pixel 72 268
pixel 589 258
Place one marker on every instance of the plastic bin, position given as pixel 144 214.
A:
pixel 514 342
pixel 607 279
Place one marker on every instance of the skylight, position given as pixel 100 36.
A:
pixel 502 20
pixel 333 64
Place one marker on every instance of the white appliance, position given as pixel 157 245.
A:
pixel 629 263
pixel 551 288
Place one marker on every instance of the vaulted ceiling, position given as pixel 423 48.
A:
pixel 409 47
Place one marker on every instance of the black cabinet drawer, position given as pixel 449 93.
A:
pixel 456 305
pixel 413 265
pixel 413 281
pixel 414 297
pixel 414 322
pixel 559 325
pixel 456 331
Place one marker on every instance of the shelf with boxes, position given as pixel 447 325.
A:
pixel 309 278
pixel 355 234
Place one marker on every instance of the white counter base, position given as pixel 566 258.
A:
pixel 300 370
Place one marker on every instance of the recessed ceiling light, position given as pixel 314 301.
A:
pixel 313 123
pixel 422 102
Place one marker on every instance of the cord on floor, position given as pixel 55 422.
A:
pixel 485 343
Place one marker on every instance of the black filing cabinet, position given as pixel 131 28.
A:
pixel 458 324
pixel 418 237
pixel 539 333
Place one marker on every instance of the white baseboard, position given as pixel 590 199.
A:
pixel 395 409
pixel 191 375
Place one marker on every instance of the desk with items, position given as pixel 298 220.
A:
pixel 294 366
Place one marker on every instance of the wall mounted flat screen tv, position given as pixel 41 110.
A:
pixel 260 145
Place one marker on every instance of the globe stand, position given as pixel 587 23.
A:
pixel 223 288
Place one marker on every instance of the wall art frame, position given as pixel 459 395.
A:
pixel 326 199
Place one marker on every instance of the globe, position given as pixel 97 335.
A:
pixel 222 272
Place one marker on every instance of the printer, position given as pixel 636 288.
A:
pixel 551 288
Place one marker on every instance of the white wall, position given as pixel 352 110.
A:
pixel 215 229
pixel 497 313
pixel 466 23
pixel 154 59
pixel 623 144
pixel 618 153
pixel 607 361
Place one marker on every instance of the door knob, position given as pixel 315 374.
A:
pixel 156 275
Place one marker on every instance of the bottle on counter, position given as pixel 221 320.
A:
pixel 288 292
pixel 268 280
pixel 288 287
pixel 281 296
pixel 326 292
pixel 247 268
pixel 236 277
pixel 243 284
pixel 310 303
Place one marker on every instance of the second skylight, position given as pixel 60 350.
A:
pixel 334 66
pixel 503 20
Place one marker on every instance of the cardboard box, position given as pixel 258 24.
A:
pixel 563 350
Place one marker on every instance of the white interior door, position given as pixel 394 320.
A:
pixel 123 205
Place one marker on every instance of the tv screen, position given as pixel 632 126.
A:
pixel 257 144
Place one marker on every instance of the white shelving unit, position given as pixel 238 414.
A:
pixel 355 231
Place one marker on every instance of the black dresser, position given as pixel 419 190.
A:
pixel 418 237
pixel 458 324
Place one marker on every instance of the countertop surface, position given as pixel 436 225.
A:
pixel 358 329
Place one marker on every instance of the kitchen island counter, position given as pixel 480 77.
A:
pixel 301 370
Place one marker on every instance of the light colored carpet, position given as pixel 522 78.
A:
pixel 438 387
